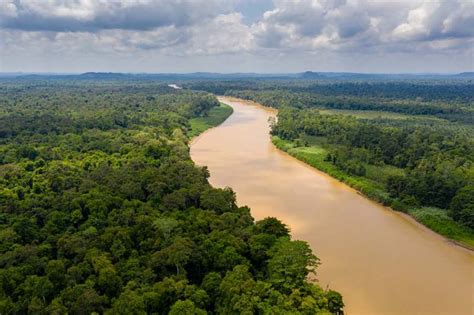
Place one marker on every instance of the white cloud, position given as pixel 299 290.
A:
pixel 213 27
pixel 8 9
pixel 364 25
pixel 96 15
pixel 224 34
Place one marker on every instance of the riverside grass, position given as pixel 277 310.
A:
pixel 433 218
pixel 217 115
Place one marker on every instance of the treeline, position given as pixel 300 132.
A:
pixel 66 109
pixel 438 164
pixel 102 210
pixel 451 100
pixel 427 91
pixel 452 112
pixel 457 91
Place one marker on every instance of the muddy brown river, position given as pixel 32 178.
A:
pixel 381 261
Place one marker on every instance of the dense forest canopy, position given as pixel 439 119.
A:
pixel 438 163
pixel 102 210
pixel 447 99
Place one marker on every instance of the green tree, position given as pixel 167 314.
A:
pixel 185 307
pixel 335 303
pixel 289 264
pixel 462 206
pixel 272 226
pixel 128 303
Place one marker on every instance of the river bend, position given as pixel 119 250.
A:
pixel 381 261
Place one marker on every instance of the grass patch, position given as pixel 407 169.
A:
pixel 373 114
pixel 314 140
pixel 433 218
pixel 438 221
pixel 382 173
pixel 217 115
pixel 315 155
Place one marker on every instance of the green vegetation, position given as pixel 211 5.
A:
pixel 438 221
pixel 316 156
pixel 370 114
pixel 370 185
pixel 103 211
pixel 445 99
pixel 216 116
pixel 405 142
pixel 409 168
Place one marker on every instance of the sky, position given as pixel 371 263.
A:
pixel 263 36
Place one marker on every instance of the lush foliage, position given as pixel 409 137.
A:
pixel 102 210
pixel 403 165
pixel 216 116
pixel 406 142
pixel 372 184
pixel 446 99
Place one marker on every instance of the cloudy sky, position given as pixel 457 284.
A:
pixel 236 35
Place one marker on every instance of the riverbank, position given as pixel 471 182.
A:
pixel 217 116
pixel 435 219
pixel 381 261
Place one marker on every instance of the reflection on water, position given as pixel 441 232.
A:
pixel 381 261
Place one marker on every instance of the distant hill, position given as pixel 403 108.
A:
pixel 338 75
pixel 466 75
pixel 311 75
pixel 307 75
pixel 104 75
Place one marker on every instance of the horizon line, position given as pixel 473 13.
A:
pixel 230 73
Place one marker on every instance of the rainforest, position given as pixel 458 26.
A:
pixel 103 211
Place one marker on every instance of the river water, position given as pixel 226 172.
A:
pixel 380 260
